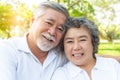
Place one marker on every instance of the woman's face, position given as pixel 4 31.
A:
pixel 78 46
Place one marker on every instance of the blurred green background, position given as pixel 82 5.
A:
pixel 109 48
pixel 15 16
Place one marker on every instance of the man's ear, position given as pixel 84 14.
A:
pixel 32 20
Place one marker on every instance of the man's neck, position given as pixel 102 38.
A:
pixel 40 55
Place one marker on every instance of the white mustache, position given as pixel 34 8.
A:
pixel 48 36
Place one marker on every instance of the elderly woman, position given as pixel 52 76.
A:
pixel 80 43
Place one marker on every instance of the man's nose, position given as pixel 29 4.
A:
pixel 52 31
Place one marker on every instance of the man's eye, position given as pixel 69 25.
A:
pixel 49 23
pixel 60 28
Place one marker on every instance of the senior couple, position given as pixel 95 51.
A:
pixel 56 47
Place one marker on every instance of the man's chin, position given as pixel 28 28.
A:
pixel 45 48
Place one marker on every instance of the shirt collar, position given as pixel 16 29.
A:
pixel 73 69
pixel 51 56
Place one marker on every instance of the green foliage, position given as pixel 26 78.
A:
pixel 3 34
pixel 117 36
pixel 82 8
pixel 6 18
pixel 13 15
pixel 103 3
pixel 79 8
pixel 110 32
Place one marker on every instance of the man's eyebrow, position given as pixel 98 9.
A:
pixel 50 19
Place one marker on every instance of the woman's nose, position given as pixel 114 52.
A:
pixel 76 46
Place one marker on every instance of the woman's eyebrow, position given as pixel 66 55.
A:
pixel 82 36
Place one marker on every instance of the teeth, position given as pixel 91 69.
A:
pixel 49 37
pixel 77 55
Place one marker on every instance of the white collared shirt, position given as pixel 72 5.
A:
pixel 105 69
pixel 18 63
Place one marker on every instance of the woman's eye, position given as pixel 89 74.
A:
pixel 83 40
pixel 69 41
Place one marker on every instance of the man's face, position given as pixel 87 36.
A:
pixel 47 30
pixel 78 46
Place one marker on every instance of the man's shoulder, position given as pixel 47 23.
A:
pixel 8 49
pixel 10 45
pixel 10 42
